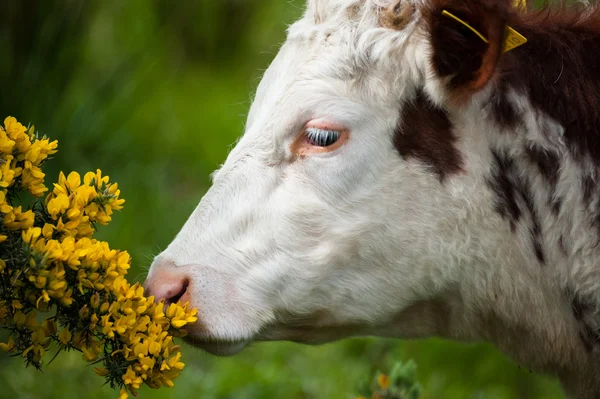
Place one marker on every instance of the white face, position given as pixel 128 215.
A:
pixel 309 237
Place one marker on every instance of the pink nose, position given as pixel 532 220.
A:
pixel 166 285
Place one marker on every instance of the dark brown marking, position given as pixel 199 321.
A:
pixel 502 109
pixel 425 133
pixel 535 230
pixel 555 204
pixel 514 198
pixel 589 187
pixel 547 163
pixel 537 247
pixel 590 337
pixel 504 188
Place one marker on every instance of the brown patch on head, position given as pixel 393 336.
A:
pixel 459 55
pixel 397 15
pixel 425 133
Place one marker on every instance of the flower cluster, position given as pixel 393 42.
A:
pixel 60 286
pixel 399 384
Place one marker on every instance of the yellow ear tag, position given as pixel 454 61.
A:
pixel 513 38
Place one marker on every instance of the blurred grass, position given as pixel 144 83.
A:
pixel 154 93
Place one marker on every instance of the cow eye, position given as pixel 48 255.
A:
pixel 321 137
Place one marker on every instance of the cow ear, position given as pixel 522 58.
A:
pixel 467 38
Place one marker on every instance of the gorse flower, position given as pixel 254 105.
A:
pixel 59 285
pixel 21 154
pixel 75 207
pixel 401 383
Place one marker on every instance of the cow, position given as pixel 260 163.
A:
pixel 411 168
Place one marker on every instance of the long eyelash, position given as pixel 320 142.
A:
pixel 321 137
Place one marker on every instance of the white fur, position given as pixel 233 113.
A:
pixel 361 241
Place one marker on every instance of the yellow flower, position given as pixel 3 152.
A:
pixel 39 336
pixel 95 300
pixel 30 235
pixel 147 363
pixel 39 151
pixel 15 130
pixel 20 318
pixel 73 181
pixel 32 179
pixel 6 144
pixel 38 281
pixel 131 378
pixel 64 336
pixel 18 220
pixel 38 352
pixel 175 362
pixel 95 179
pixel 141 349
pixel 383 381
pixel 17 133
pixel 64 267
pixel 92 350
pixel 50 326
pixel 9 346
pixel 4 206
pixel 8 172
pixel 58 205
pixel 48 230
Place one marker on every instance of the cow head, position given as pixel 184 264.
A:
pixel 352 201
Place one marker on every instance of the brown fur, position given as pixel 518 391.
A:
pixel 559 71
pixel 425 133
pixel 458 53
pixel 397 15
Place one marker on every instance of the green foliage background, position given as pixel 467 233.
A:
pixel 154 92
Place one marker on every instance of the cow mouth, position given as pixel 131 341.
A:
pixel 216 347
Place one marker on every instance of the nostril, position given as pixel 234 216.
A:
pixel 175 295
pixel 166 286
